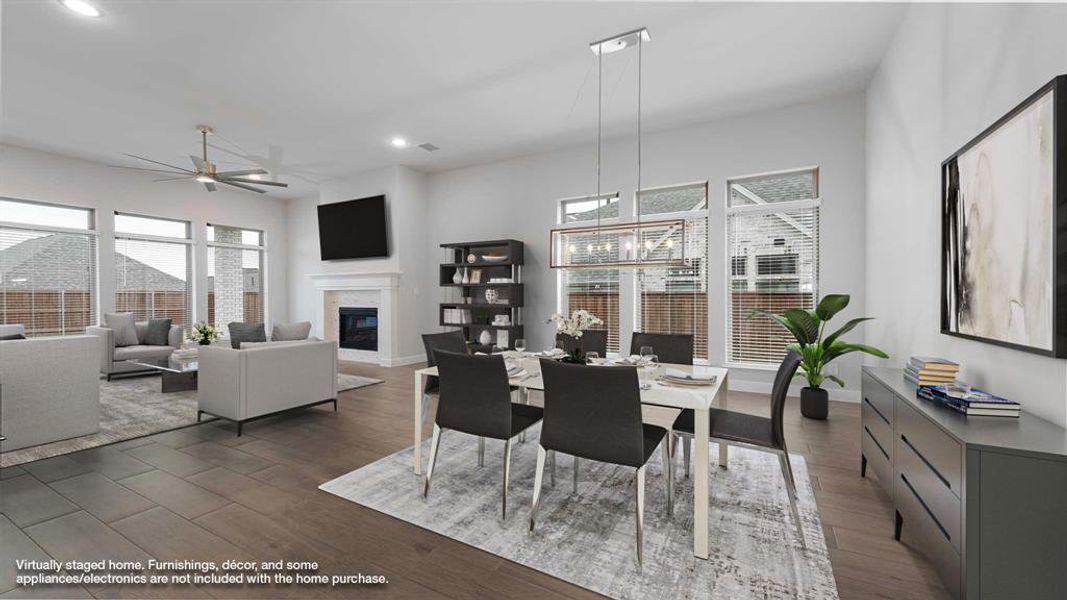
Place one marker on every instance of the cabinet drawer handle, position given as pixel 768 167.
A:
pixel 926 462
pixel 876 411
pixel 875 440
pixel 944 532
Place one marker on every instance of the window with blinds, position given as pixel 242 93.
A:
pixel 47 267
pixel 153 268
pixel 674 299
pixel 772 233
pixel 593 290
pixel 235 275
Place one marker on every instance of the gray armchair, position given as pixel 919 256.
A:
pixel 113 358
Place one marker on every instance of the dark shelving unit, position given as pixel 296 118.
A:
pixel 473 313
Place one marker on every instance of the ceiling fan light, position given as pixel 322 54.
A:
pixel 81 7
pixel 255 176
pixel 205 179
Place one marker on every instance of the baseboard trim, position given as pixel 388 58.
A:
pixel 403 360
pixel 760 387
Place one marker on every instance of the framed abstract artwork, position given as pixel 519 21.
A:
pixel 1004 229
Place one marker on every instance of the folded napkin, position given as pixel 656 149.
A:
pixel 676 374
pixel 552 352
pixel 633 359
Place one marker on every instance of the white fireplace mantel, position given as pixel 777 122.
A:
pixel 382 287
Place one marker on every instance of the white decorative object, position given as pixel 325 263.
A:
pixel 457 277
pixel 502 338
pixel 491 295
pixel 494 258
pixel 485 338
pixel 471 258
pixel 466 276
pixel 576 324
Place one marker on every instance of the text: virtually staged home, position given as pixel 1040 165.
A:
pixel 533 300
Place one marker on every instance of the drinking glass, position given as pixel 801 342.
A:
pixel 646 351
pixel 592 357
pixel 520 345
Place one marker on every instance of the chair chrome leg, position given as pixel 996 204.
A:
pixel 789 473
pixel 433 458
pixel 425 409
pixel 668 475
pixel 552 468
pixel 687 443
pixel 538 478
pixel 481 452
pixel 640 514
pixel 507 473
pixel 791 492
pixel 575 487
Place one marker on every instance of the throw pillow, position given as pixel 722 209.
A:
pixel 157 332
pixel 246 332
pixel 13 336
pixel 122 326
pixel 287 332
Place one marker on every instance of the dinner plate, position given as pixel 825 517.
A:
pixel 688 382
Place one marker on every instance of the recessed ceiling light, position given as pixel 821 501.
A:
pixel 399 142
pixel 81 7
pixel 620 42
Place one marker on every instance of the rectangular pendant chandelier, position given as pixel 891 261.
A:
pixel 619 245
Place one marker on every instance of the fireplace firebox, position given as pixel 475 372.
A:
pixel 358 328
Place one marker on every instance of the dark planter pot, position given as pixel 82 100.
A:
pixel 814 403
pixel 205 342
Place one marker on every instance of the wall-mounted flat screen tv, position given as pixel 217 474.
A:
pixel 353 229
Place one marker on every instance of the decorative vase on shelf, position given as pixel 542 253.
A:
pixel 466 277
pixel 491 295
pixel 485 338
pixel 457 277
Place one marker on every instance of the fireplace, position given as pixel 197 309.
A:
pixel 358 328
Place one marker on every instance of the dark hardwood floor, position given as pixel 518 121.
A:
pixel 203 493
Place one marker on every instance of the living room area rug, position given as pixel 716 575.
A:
pixel 588 538
pixel 133 407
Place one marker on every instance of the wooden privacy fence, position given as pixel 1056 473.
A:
pixel 253 308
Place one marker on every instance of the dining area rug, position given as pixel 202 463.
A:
pixel 589 538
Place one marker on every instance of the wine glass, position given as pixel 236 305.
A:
pixel 520 345
pixel 646 353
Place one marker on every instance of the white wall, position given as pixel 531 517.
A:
pixel 34 175
pixel 951 71
pixel 405 194
pixel 517 199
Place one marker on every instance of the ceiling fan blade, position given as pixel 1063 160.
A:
pixel 210 186
pixel 144 169
pixel 240 173
pixel 254 181
pixel 242 186
pixel 157 162
pixel 182 178
pixel 198 163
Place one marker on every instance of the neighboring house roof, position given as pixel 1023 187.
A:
pixel 22 261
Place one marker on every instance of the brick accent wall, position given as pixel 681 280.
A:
pixel 228 280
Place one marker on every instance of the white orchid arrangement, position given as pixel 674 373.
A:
pixel 576 324
pixel 204 333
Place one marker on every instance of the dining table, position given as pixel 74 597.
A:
pixel 654 392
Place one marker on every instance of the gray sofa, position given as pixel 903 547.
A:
pixel 50 387
pixel 113 358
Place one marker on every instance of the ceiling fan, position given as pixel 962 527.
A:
pixel 206 173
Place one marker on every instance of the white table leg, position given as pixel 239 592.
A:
pixel 701 445
pixel 723 393
pixel 524 398
pixel 418 423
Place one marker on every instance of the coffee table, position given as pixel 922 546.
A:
pixel 179 374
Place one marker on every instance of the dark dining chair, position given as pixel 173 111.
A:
pixel 592 340
pixel 754 432
pixel 475 398
pixel 674 348
pixel 449 341
pixel 595 413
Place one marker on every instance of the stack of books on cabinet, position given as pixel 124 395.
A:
pixel 970 402
pixel 926 371
pixel 484 292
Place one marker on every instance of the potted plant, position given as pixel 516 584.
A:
pixel 204 333
pixel 574 326
pixel 817 349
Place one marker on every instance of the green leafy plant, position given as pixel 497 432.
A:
pixel 815 348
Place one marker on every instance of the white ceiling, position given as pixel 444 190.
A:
pixel 328 83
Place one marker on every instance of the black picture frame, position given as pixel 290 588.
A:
pixel 1058 87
